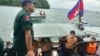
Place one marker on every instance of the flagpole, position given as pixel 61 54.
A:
pixel 80 20
pixel 80 10
pixel 80 16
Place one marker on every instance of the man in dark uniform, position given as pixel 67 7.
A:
pixel 23 32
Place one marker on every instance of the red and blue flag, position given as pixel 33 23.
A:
pixel 77 10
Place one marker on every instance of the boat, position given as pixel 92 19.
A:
pixel 54 31
pixel 59 30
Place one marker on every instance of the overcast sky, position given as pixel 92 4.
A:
pixel 91 5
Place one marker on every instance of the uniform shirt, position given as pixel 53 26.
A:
pixel 22 23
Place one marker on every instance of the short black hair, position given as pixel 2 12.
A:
pixel 72 31
pixel 93 38
pixel 43 40
pixel 7 43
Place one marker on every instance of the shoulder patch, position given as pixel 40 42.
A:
pixel 27 18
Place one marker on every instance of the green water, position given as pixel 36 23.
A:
pixel 7 16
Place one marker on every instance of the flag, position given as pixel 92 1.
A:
pixel 81 8
pixel 78 9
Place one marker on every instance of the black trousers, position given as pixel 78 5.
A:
pixel 66 52
pixel 21 51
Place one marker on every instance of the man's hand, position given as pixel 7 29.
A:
pixel 30 53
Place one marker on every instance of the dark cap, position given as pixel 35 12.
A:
pixel 24 2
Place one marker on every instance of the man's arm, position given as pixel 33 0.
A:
pixel 28 39
pixel 26 26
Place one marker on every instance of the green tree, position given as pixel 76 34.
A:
pixel 39 4
pixel 42 4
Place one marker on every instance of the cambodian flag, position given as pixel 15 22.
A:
pixel 78 9
pixel 81 8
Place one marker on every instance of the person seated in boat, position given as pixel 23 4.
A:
pixel 46 47
pixel 35 47
pixel 68 43
pixel 92 47
pixel 9 49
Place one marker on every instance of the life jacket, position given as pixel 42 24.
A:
pixel 92 48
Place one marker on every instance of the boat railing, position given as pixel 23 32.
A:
pixel 92 33
pixel 38 17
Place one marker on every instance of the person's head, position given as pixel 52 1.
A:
pixel 8 44
pixel 44 41
pixel 29 5
pixel 45 44
pixel 93 39
pixel 72 32
pixel 35 45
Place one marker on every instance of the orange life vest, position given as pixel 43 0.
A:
pixel 92 48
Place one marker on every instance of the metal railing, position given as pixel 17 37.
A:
pixel 92 33
pixel 38 17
